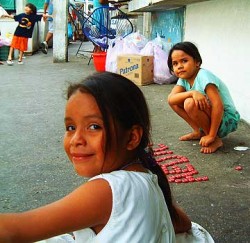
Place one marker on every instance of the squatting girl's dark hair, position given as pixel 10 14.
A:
pixel 187 47
pixel 123 103
pixel 32 7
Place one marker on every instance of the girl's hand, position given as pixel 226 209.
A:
pixel 200 100
pixel 45 17
pixel 181 221
pixel 206 140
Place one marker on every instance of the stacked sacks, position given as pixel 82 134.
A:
pixel 137 44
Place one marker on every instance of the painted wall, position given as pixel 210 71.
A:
pixel 168 24
pixel 221 30
pixel 38 3
pixel 8 4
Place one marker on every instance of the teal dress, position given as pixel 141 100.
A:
pixel 231 116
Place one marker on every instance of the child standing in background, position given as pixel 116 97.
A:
pixel 24 30
pixel 127 198
pixel 200 98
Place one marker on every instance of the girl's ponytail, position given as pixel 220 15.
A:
pixel 148 161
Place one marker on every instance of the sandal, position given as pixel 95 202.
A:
pixel 10 62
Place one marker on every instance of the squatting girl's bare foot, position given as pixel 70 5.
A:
pixel 191 136
pixel 212 147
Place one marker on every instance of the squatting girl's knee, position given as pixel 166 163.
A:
pixel 189 105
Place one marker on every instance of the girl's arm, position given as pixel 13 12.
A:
pixel 88 206
pixel 217 110
pixel 7 16
pixel 181 222
pixel 178 95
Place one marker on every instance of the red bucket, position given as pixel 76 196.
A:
pixel 99 61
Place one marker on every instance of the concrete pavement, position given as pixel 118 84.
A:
pixel 35 170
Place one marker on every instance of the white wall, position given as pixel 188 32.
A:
pixel 221 30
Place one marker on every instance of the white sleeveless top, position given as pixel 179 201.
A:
pixel 139 212
pixel 139 215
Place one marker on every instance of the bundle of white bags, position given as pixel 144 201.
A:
pixel 137 44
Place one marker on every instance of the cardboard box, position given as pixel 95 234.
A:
pixel 137 68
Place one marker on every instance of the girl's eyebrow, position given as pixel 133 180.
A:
pixel 85 117
pixel 67 119
pixel 180 59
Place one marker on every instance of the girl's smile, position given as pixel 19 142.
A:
pixel 80 158
pixel 85 134
pixel 85 138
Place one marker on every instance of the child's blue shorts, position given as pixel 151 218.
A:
pixel 229 123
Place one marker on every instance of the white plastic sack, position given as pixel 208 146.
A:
pixel 137 39
pixel 115 49
pixel 161 70
pixel 120 46
pixel 148 50
pixel 130 48
pixel 165 45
